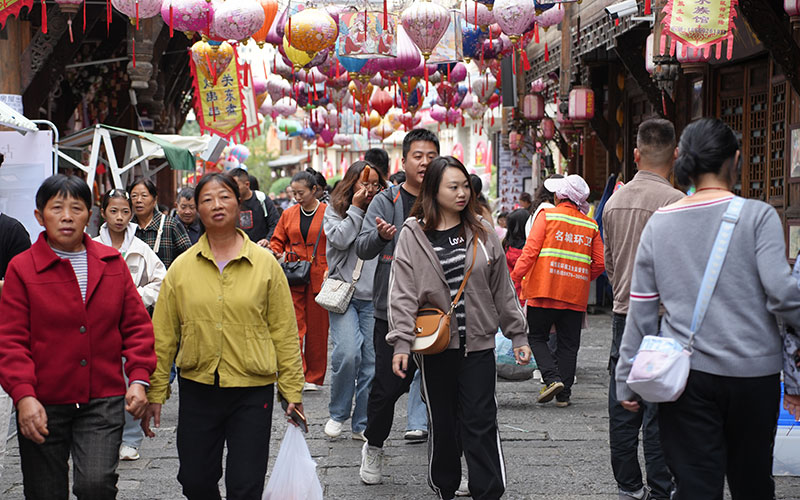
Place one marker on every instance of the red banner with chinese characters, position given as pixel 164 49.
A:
pixel 701 24
pixel 219 105
pixel 12 8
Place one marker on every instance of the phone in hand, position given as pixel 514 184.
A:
pixel 296 416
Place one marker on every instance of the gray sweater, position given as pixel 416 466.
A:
pixel 341 234
pixel 739 336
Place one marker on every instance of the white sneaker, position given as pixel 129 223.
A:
pixel 463 488
pixel 537 375
pixel 128 453
pixel 333 428
pixel 371 464
pixel 417 435
pixel 308 386
pixel 359 436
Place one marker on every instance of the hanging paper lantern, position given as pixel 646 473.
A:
pixel 240 152
pixel 548 128
pixel 450 46
pixel 453 116
pixel 792 7
pixel 425 22
pixel 188 16
pixel 298 58
pixel 270 8
pixel 458 73
pixel 382 130
pixel 381 101
pixel 211 60
pixel 379 81
pixel 267 109
pixel 275 35
pixel 468 101
pixel 533 107
pixel 438 113
pixel 408 56
pixel 472 38
pixel 342 140
pixel 352 65
pixel 476 111
pixel 581 103
pixel 286 107
pixel 311 30
pixel 237 19
pixel 361 91
pixel 514 16
pixel 483 87
pixel 327 136
pixel 550 17
pixel 409 120
pixel 332 119
pixel 367 34
pixel 477 13
pixel 138 9
pixel 538 86
pixel 371 120
pixel 514 140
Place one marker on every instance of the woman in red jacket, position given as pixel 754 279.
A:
pixel 70 313
pixel 299 236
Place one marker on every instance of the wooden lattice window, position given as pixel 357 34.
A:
pixel 777 144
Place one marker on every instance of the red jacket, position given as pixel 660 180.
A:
pixel 288 237
pixel 60 350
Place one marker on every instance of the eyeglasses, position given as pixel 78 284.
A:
pixel 374 185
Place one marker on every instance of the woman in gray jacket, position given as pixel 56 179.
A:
pixel 434 252
pixel 353 355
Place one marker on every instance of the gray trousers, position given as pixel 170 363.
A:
pixel 92 434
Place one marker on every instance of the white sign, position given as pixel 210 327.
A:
pixel 28 162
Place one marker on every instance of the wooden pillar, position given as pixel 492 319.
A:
pixel 18 33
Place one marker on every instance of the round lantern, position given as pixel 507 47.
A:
pixel 649 65
pixel 513 16
pixel 550 17
pixel 538 86
pixel 476 111
pixel 270 8
pixel 477 14
pixel 472 38
pixel 189 16
pixel 342 140
pixel 311 30
pixel 285 106
pixel 408 56
pixel 438 113
pixel 211 60
pixel 382 130
pixel 792 7
pixel 237 19
pixel 298 58
pixel 581 103
pixel 548 128
pixel 381 101
pixel 483 87
pixel 425 23
pixel 533 107
pixel 138 9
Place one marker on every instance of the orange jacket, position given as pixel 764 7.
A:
pixel 288 238
pixel 563 254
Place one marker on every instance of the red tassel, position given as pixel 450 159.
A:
pixel 44 17
pixel 448 72
pixel 137 15
pixel 69 25
pixel 289 34
pixel 546 52
pixel 426 76
pixel 513 64
pixel 525 63
pixel 492 122
pixel 84 16
pixel 108 17
pixel 536 33
pixel 476 13
pixel 134 52
pixel 385 16
pixel 647 9
pixel 462 120
pixel 616 22
pixel 171 30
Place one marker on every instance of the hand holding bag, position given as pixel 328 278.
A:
pixel 661 366
pixel 335 295
pixel 298 272
pixel 433 325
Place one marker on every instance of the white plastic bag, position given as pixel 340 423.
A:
pixel 294 476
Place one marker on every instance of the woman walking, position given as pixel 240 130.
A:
pixel 723 425
pixel 70 314
pixel 164 235
pixel 299 236
pixel 225 309
pixel 147 272
pixel 444 246
pixel 353 355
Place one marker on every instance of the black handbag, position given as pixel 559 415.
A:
pixel 298 272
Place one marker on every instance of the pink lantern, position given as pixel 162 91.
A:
pixel 514 16
pixel 425 22
pixel 138 9
pixel 581 103
pixel 266 109
pixel 476 111
pixel 188 15
pixel 285 107
pixel 687 54
pixel 477 14
pixel 458 73
pixel 550 17
pixel 277 88
pixel 408 56
pixel 468 102
pixel 548 128
pixel 409 120
pixel 792 7
pixel 259 85
pixel 514 140
pixel 454 116
pixel 438 113
pixel 342 140
pixel 237 19
pixel 533 107
pixel 538 86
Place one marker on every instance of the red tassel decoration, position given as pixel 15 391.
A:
pixel 134 53
pixel 44 17
pixel 137 15
pixel 492 122
pixel 448 72
pixel 546 52
pixel 536 33
pixel 84 16
pixel 525 63
pixel 647 9
pixel 108 17
pixel 426 76
pixel 289 34
pixel 476 13
pixel 385 15
pixel 513 64
pixel 171 30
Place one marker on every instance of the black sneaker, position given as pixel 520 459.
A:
pixel 549 391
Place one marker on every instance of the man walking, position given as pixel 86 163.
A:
pixel 624 218
pixel 257 215
pixel 186 213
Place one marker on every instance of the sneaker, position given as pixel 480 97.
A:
pixel 371 464
pixel 359 436
pixel 308 386
pixel 537 375
pixel 463 488
pixel 642 494
pixel 128 453
pixel 562 404
pixel 416 435
pixel 548 392
pixel 333 428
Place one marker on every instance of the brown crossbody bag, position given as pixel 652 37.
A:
pixel 432 328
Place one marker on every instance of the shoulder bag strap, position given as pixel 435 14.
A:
pixel 357 270
pixel 158 235
pixel 714 265
pixel 466 277
pixel 319 234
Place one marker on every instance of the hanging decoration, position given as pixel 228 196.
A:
pixel 138 9
pixel 237 19
pixel 311 30
pixel 533 107
pixel 450 48
pixel 477 14
pixel 12 8
pixel 189 16
pixel 270 8
pixel 365 35
pixel 69 8
pixel 701 24
pixel 298 58
pixel 426 23
pixel 219 101
pixel 211 59
pixel 581 103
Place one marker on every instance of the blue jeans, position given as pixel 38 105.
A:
pixel 417 413
pixel 352 362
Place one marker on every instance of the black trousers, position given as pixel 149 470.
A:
pixel 623 430
pixel 210 417
pixel 722 426
pixel 92 434
pixel 462 411
pixel 561 367
pixel 386 387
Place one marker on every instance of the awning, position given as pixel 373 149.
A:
pixel 12 119
pixel 286 161
pixel 178 158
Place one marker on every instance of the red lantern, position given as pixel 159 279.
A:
pixel 548 129
pixel 381 102
pixel 533 107
pixel 581 103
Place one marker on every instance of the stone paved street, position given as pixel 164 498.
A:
pixel 550 453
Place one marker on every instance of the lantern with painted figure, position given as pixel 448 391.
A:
pixel 425 23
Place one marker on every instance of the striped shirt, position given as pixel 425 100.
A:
pixel 450 247
pixel 79 266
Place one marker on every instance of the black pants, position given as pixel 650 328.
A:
pixel 386 387
pixel 568 330
pixel 623 430
pixel 210 417
pixel 722 426
pixel 462 411
pixel 92 434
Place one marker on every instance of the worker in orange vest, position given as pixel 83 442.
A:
pixel 563 254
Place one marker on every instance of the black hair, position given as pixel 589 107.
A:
pixel 239 173
pixel 515 228
pixel 705 146
pixel 502 214
pixel 422 135
pixel 162 208
pixel 655 139
pixel 148 184
pixel 379 158
pixel 2 158
pixel 62 185
pixel 253 182
pixel 116 193
pixel 305 177
pixel 223 179
pixel 318 177
pixel 397 177
pixel 477 186
pixel 542 195
pixel 186 193
pixel 526 197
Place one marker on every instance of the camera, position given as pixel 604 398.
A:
pixel 622 9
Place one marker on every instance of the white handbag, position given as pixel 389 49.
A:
pixel 661 367
pixel 335 295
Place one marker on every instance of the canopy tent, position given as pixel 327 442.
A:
pixel 12 119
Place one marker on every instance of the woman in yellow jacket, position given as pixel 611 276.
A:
pixel 225 309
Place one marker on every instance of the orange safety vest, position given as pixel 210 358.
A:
pixel 562 270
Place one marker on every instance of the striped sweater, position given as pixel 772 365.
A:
pixel 449 246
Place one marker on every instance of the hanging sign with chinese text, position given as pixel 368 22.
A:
pixel 219 106
pixel 701 24
pixel 12 8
